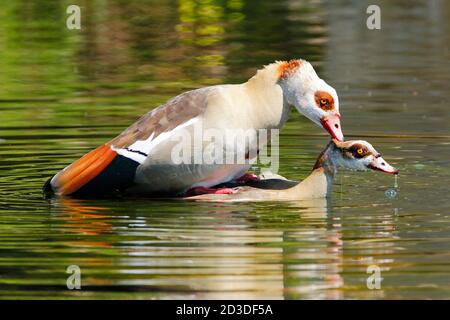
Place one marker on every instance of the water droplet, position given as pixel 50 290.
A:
pixel 391 193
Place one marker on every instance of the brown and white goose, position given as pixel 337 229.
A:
pixel 355 155
pixel 140 159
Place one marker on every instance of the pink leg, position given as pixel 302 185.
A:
pixel 203 190
pixel 247 177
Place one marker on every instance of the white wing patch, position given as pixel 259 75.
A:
pixel 140 149
pixel 140 158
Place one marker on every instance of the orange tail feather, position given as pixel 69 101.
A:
pixel 83 170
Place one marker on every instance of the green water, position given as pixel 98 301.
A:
pixel 64 92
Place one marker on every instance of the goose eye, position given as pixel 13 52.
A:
pixel 324 100
pixel 360 151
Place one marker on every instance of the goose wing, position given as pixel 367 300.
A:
pixel 113 165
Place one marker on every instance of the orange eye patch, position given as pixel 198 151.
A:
pixel 358 151
pixel 324 100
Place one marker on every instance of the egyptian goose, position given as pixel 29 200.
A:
pixel 140 159
pixel 356 155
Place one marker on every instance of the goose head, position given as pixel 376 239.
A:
pixel 359 155
pixel 311 96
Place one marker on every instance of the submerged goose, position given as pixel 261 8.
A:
pixel 140 159
pixel 356 155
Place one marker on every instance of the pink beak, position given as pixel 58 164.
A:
pixel 332 124
pixel 381 165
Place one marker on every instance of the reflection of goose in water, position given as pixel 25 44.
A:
pixel 209 250
pixel 249 260
pixel 355 155
pixel 82 217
